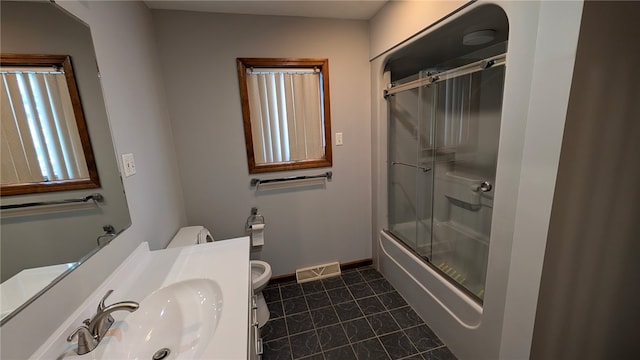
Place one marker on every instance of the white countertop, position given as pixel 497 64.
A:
pixel 225 261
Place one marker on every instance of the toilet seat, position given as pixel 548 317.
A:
pixel 260 274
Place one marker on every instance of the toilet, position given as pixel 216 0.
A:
pixel 190 235
pixel 260 270
pixel 260 275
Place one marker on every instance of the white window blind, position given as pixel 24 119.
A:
pixel 286 114
pixel 456 111
pixel 40 140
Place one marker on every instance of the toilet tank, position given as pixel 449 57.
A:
pixel 191 235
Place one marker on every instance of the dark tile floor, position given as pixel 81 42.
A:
pixel 357 315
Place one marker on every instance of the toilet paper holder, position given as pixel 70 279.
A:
pixel 254 219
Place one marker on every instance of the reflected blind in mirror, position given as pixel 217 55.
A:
pixel 40 139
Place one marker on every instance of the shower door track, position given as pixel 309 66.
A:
pixel 449 74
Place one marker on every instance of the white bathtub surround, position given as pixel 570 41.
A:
pixel 448 235
pixel 144 271
pixel 541 46
pixel 413 279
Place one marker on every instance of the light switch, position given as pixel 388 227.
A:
pixel 128 164
pixel 338 139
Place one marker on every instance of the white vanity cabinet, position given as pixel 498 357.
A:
pixel 255 341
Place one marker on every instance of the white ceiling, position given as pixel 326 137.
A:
pixel 336 9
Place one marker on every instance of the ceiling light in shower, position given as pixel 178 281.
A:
pixel 479 37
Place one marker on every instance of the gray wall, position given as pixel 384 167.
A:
pixel 304 226
pixel 59 237
pixel 588 303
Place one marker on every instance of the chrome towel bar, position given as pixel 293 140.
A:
pixel 97 197
pixel 425 169
pixel 256 181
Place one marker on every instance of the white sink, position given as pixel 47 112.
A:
pixel 195 302
pixel 180 318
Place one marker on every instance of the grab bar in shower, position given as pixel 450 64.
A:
pixel 256 182
pixel 97 197
pixel 424 169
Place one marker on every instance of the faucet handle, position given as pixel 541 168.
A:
pixel 101 305
pixel 86 341
pixel 105 323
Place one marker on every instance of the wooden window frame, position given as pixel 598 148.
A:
pixel 323 65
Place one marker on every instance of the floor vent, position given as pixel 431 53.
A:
pixel 317 272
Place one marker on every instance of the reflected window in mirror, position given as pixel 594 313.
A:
pixel 45 143
pixel 286 113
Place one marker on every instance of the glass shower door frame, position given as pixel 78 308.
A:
pixel 409 170
pixel 425 158
pixel 444 237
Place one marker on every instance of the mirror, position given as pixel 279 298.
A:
pixel 41 244
pixel 286 113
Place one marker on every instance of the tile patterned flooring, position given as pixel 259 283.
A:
pixel 357 315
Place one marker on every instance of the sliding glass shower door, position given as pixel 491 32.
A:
pixel 410 168
pixel 443 146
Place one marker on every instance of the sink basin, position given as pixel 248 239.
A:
pixel 174 322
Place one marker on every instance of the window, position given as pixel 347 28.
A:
pixel 45 143
pixel 286 113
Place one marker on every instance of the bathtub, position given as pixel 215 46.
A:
pixel 450 312
pixel 454 245
pixel 407 232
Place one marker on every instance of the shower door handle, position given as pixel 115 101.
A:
pixel 484 186
pixel 424 169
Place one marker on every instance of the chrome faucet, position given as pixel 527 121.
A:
pixel 86 341
pixel 93 330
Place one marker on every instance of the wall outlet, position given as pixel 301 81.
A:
pixel 128 164
pixel 338 139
